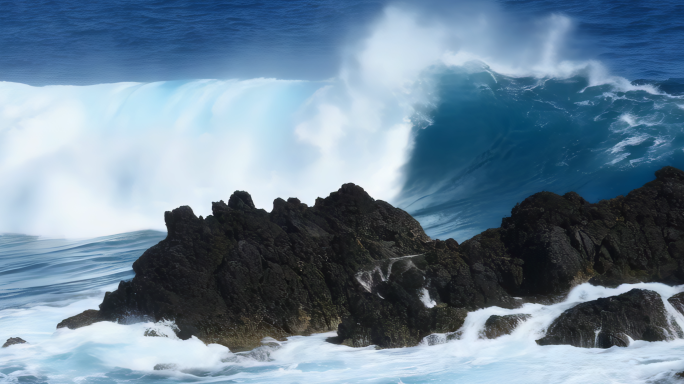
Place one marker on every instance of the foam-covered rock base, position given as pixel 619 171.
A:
pixel 638 314
pixel 366 269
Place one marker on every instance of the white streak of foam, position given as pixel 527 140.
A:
pixel 629 142
pixel 425 298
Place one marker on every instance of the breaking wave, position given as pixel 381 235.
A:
pixel 454 113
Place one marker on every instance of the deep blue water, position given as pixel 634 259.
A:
pixel 637 39
pixel 91 42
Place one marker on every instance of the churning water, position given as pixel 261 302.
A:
pixel 49 280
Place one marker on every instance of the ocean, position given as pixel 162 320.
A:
pixel 112 113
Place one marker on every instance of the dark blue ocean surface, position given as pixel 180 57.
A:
pixel 90 42
pixel 634 38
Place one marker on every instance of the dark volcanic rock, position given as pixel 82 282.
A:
pixel 497 326
pixel 603 323
pixel 83 319
pixel 365 268
pixel 154 333
pixel 563 240
pixel 13 341
pixel 350 263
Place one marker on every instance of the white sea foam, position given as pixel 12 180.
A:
pixel 108 350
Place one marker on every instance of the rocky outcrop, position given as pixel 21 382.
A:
pixel 13 341
pixel 563 240
pixel 638 314
pixel 87 317
pixel 366 269
pixel 349 263
pixel 497 326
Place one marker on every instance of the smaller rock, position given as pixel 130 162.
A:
pixel 165 367
pixel 638 314
pixel 13 341
pixel 497 326
pixel 149 332
pixel 88 317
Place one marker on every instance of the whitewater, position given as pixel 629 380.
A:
pixel 448 115
pixel 109 353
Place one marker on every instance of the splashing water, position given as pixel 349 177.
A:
pixel 109 352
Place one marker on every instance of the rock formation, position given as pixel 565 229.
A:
pixel 366 269
pixel 638 314
pixel 497 326
pixel 13 341
pixel 84 318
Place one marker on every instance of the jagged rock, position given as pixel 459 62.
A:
pixel 563 240
pixel 13 341
pixel 497 326
pixel 243 274
pixel 638 314
pixel 83 319
pixel 367 269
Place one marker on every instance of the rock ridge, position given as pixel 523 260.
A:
pixel 368 270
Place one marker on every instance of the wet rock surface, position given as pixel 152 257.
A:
pixel 366 269
pixel 497 326
pixel 83 319
pixel 563 240
pixel 638 314
pixel 154 333
pixel 13 341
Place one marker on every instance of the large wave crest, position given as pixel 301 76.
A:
pixel 102 159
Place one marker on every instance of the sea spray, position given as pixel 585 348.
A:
pixel 123 352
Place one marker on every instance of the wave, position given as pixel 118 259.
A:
pixel 496 139
pixel 440 109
